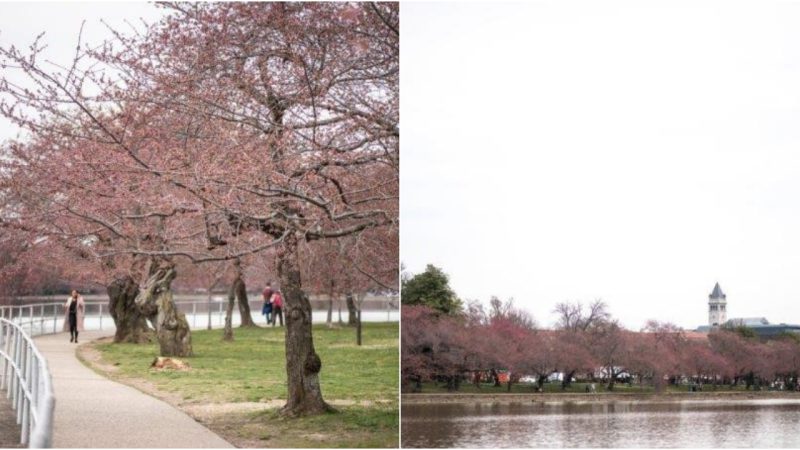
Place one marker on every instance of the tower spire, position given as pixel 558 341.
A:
pixel 717 292
pixel 717 305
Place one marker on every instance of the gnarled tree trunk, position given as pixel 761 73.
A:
pixel 155 301
pixel 239 290
pixel 244 303
pixel 228 333
pixel 352 317
pixel 131 324
pixel 302 362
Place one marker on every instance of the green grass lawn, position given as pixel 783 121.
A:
pixel 555 388
pixel 361 382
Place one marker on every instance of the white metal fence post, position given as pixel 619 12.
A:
pixel 3 349
pixel 25 399
pixel 27 382
pixel 15 380
pixel 20 378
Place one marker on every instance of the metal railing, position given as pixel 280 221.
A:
pixel 28 385
pixel 46 318
pixel 24 371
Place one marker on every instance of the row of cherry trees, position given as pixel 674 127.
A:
pixel 586 343
pixel 226 136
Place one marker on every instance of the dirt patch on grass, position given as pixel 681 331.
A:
pixel 92 357
pixel 258 424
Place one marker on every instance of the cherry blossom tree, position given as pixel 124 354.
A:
pixel 572 355
pixel 609 344
pixel 575 322
pixel 739 352
pixel 277 126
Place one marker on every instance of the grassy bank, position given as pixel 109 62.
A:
pixel 552 392
pixel 574 388
pixel 235 388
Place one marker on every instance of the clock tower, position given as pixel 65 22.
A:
pixel 717 315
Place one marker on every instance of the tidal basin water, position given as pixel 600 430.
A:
pixel 722 423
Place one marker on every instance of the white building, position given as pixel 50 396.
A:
pixel 717 303
pixel 718 317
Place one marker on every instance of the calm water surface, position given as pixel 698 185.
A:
pixel 751 423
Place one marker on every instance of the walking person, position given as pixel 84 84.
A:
pixel 74 310
pixel 277 307
pixel 266 309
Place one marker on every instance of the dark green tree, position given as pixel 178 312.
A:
pixel 431 288
pixel 740 329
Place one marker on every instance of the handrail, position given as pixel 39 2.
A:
pixel 28 385
pixel 48 318
pixel 24 371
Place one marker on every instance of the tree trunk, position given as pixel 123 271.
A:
pixel 244 303
pixel 567 381
pixel 208 301
pixel 658 382
pixel 130 323
pixel 352 320
pixel 540 382
pixel 476 379
pixel 155 301
pixel 358 328
pixel 227 335
pixel 496 378
pixel 330 312
pixel 302 362
pixel 331 295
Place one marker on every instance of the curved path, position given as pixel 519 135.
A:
pixel 93 411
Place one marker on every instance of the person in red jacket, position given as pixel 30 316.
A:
pixel 277 307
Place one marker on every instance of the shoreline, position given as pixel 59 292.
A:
pixel 564 398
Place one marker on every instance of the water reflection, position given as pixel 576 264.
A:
pixel 756 423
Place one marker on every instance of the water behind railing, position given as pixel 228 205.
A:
pixel 48 317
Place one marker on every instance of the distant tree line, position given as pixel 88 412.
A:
pixel 445 341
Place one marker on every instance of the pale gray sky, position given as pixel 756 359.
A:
pixel 20 23
pixel 635 151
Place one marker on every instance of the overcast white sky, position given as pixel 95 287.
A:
pixel 20 23
pixel 631 151
pixel 636 152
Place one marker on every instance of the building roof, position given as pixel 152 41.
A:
pixel 717 292
pixel 749 321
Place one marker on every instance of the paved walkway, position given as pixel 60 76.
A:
pixel 93 411
pixel 9 430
